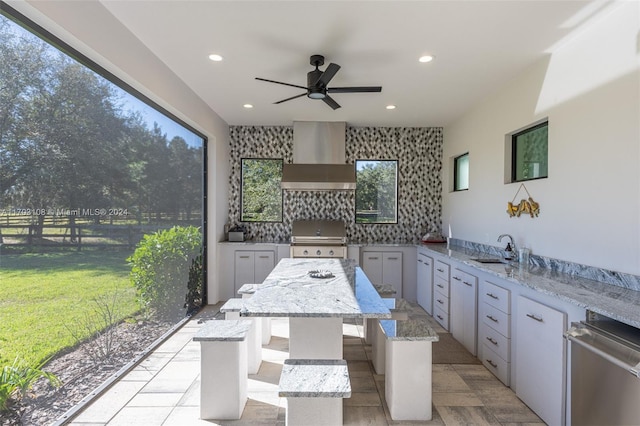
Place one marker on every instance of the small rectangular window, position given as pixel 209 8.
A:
pixel 461 172
pixel 529 149
pixel 260 192
pixel 376 191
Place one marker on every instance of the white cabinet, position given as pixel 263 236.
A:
pixel 494 331
pixel 252 267
pixel 441 293
pixel 424 284
pixel 384 268
pixel 540 359
pixel 463 308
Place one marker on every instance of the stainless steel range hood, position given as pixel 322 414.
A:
pixel 318 158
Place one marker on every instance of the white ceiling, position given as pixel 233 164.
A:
pixel 478 45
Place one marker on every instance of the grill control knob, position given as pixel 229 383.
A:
pixel 330 252
pixel 318 252
pixel 306 252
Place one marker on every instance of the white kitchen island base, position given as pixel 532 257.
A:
pixel 315 338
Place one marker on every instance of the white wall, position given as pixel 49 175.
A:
pixel 589 88
pixel 89 28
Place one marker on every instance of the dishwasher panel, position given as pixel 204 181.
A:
pixel 605 369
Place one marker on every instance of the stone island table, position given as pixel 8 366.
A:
pixel 316 295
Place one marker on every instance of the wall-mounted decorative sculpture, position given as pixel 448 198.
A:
pixel 525 206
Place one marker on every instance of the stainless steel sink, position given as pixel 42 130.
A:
pixel 489 260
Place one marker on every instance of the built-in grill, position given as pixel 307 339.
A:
pixel 318 238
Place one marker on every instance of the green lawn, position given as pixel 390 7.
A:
pixel 42 296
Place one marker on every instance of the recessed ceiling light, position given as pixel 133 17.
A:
pixel 425 58
pixel 391 107
pixel 215 58
pixel 248 106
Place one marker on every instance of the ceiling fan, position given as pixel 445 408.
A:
pixel 317 82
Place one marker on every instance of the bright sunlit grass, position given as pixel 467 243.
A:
pixel 42 295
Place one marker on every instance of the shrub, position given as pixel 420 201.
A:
pixel 193 299
pixel 18 378
pixel 160 269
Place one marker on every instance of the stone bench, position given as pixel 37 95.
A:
pixel 398 312
pixel 314 389
pixel 223 368
pixel 231 310
pixel 408 390
pixel 247 290
pixel 385 290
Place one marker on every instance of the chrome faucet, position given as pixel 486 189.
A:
pixel 513 253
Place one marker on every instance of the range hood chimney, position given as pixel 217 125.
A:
pixel 319 158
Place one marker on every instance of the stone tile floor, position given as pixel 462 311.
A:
pixel 164 389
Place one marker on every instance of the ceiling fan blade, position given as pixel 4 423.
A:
pixel 288 99
pixel 327 75
pixel 279 82
pixel 362 89
pixel 329 101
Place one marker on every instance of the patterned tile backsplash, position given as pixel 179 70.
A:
pixel 419 154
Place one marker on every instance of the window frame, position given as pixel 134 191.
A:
pixel 397 189
pixel 242 219
pixel 514 150
pixel 455 172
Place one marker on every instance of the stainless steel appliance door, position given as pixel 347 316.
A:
pixel 605 382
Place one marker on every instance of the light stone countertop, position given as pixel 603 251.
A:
pixel 408 330
pixel 308 378
pixel 289 291
pixel 616 302
pixel 223 330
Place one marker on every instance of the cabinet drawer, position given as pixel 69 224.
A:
pixel 441 270
pixel 441 286
pixel 441 317
pixel 498 366
pixel 441 302
pixel 496 319
pixel 495 296
pixel 496 341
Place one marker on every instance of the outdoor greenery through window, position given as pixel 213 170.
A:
pixel 529 153
pixel 376 191
pixel 261 193
pixel 461 172
pixel 101 211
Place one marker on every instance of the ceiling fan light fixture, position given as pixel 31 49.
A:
pixel 316 95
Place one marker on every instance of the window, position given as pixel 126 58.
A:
pixel 461 172
pixel 376 191
pixel 260 192
pixel 529 153
pixel 91 170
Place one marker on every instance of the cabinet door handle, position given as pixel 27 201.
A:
pixel 493 296
pixel 440 301
pixel 469 284
pixel 373 258
pixel 427 263
pixel 264 257
pixel 492 318
pixel 439 285
pixel 491 363
pixel 492 341
pixel 244 257
pixel 420 261
pixel 533 317
pixel 441 319
pixel 391 258
pixel 457 278
pixel 439 270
